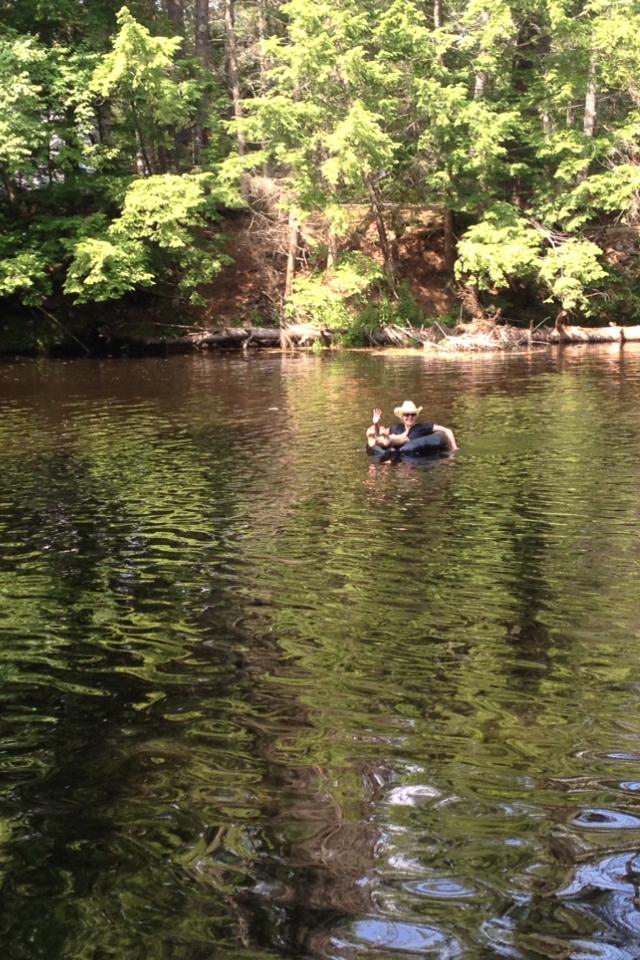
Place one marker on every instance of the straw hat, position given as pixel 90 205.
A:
pixel 408 406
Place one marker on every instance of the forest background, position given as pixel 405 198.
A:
pixel 186 163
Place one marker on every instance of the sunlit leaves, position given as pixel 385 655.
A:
pixel 402 32
pixel 25 274
pixel 140 83
pixel 105 269
pixel 153 235
pixel 499 248
pixel 137 63
pixel 327 299
pixel 23 130
pixel 503 247
pixel 569 270
pixel 346 104
pixel 161 209
pixel 358 147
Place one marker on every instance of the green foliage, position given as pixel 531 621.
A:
pixel 403 311
pixel 569 270
pixel 358 147
pixel 326 120
pixel 619 299
pixel 351 300
pixel 161 210
pixel 25 274
pixel 315 302
pixel 503 247
pixel 23 130
pixel 106 270
pixel 362 323
pixel 355 274
pixel 332 299
pixel 408 311
pixel 500 247
pixel 138 69
pixel 148 96
pixel 615 191
pixel 118 135
pixel 462 146
pixel 153 236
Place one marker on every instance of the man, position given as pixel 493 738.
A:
pixel 401 434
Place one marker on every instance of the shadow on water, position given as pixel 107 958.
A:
pixel 262 698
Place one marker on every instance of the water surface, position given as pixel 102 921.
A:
pixel 262 698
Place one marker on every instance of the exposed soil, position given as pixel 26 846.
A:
pixel 421 263
pixel 251 288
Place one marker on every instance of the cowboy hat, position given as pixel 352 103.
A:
pixel 408 406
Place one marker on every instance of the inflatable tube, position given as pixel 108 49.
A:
pixel 384 454
pixel 430 446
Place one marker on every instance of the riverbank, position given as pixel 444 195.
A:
pixel 244 306
pixel 472 337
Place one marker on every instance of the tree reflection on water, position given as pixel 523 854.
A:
pixel 263 699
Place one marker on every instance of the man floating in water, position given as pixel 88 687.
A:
pixel 408 436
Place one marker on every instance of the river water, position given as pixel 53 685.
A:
pixel 262 698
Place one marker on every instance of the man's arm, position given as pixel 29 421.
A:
pixel 376 433
pixel 451 440
pixel 398 439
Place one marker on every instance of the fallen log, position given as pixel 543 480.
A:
pixel 585 335
pixel 198 340
pixel 294 335
pixel 465 339
pixel 508 337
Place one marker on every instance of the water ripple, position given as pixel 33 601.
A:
pixel 606 820
pixel 404 938
pixel 263 698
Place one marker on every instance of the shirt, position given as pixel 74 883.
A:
pixel 417 430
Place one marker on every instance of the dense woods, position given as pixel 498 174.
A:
pixel 135 140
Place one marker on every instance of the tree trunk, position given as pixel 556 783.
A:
pixel 182 136
pixel 332 249
pixel 175 15
pixel 161 162
pixel 147 168
pixel 470 300
pixel 590 110
pixel 202 44
pixel 292 252
pixel 201 25
pixel 387 256
pixel 449 239
pixel 481 83
pixel 438 22
pixel 9 186
pixel 103 122
pixel 263 32
pixel 233 77
pixel 590 100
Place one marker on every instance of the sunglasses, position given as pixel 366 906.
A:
pixel 409 414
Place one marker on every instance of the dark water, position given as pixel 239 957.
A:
pixel 262 699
